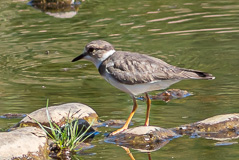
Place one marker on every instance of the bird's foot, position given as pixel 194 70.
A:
pixel 117 131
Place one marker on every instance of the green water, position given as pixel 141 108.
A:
pixel 202 35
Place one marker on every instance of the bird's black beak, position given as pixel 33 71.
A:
pixel 79 57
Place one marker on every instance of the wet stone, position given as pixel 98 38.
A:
pixel 53 2
pixel 57 8
pixel 28 143
pixel 60 114
pixel 220 127
pixel 13 115
pixel 143 138
pixel 170 94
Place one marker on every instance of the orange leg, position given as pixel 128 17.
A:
pixel 149 156
pixel 148 109
pixel 126 125
pixel 128 152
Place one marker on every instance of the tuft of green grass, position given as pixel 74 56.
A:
pixel 68 137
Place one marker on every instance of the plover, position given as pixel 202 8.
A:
pixel 135 73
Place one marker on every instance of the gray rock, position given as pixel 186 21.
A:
pixel 59 114
pixel 220 127
pixel 143 138
pixel 28 142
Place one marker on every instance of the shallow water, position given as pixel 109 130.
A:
pixel 201 35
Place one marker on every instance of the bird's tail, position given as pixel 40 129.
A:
pixel 194 74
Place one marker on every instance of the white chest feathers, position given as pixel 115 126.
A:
pixel 98 61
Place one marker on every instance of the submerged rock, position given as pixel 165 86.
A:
pixel 220 127
pixel 169 95
pixel 59 2
pixel 29 143
pixel 57 8
pixel 172 94
pixel 143 138
pixel 60 114
pixel 13 115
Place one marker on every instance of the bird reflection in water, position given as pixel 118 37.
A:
pixel 145 148
pixel 131 155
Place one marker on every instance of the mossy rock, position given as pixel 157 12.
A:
pixel 57 8
pixel 144 138
pixel 59 2
pixel 220 127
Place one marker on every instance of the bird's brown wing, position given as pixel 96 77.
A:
pixel 134 68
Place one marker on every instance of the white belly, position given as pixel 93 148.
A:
pixel 140 88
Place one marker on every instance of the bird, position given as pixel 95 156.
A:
pixel 135 73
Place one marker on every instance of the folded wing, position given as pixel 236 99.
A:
pixel 133 68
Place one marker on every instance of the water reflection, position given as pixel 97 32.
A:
pixel 147 151
pixel 128 152
pixel 131 155
pixel 144 139
pixel 149 147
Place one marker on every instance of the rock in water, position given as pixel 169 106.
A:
pixel 143 138
pixel 60 114
pixel 220 127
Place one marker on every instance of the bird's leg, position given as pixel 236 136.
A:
pixel 126 125
pixel 149 156
pixel 148 109
pixel 128 152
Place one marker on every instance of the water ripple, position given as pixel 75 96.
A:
pixel 231 31
pixel 175 17
pixel 180 21
pixel 126 24
pixel 138 26
pixel 217 15
pixel 195 30
pixel 104 19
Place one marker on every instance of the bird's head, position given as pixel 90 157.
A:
pixel 96 52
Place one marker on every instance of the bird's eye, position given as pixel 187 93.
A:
pixel 91 50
